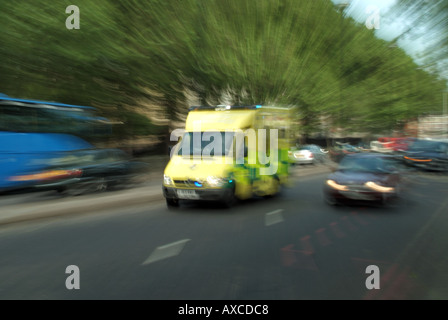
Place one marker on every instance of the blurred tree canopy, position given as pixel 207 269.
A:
pixel 154 58
pixel 427 23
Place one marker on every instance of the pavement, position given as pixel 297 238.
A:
pixel 20 208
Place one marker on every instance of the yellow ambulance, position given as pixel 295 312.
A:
pixel 229 153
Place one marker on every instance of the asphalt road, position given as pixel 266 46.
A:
pixel 290 247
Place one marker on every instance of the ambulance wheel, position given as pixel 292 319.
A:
pixel 275 189
pixel 229 199
pixel 172 203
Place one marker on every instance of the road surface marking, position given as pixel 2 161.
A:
pixel 423 231
pixel 273 217
pixel 306 244
pixel 322 237
pixel 297 258
pixel 359 219
pixel 288 256
pixel 348 224
pixel 166 251
pixel 402 285
pixel 336 230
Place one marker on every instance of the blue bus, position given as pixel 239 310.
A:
pixel 43 145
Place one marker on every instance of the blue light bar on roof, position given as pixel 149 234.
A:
pixel 223 108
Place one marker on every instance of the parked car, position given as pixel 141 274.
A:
pixel 77 171
pixel 342 149
pixel 382 147
pixel 397 144
pixel 308 154
pixel 427 154
pixel 364 177
pixel 101 169
pixel 390 144
pixel 44 144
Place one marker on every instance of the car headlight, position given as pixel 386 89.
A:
pixel 167 180
pixel 215 181
pixel 337 186
pixel 374 186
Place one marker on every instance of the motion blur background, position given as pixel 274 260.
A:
pixel 143 63
pixel 357 72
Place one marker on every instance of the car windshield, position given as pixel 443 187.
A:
pixel 367 164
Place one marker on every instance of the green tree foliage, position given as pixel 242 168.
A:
pixel 293 52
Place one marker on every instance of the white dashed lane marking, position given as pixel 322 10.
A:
pixel 273 217
pixel 166 251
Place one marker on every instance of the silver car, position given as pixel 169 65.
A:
pixel 308 154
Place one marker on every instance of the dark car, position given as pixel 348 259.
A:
pixel 82 171
pixel 340 150
pixel 100 169
pixel 364 177
pixel 428 155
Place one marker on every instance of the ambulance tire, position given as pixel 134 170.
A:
pixel 172 203
pixel 230 199
pixel 277 187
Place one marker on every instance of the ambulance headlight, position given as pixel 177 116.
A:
pixel 216 182
pixel 167 180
